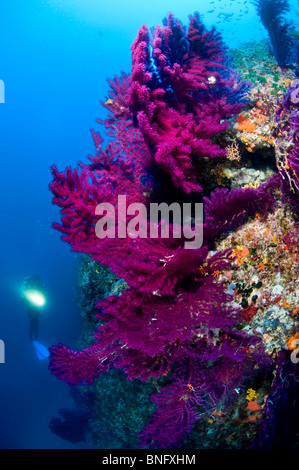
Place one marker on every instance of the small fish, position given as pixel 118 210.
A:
pixel 226 15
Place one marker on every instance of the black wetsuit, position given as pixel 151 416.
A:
pixel 33 311
pixel 33 314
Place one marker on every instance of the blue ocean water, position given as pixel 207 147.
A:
pixel 55 58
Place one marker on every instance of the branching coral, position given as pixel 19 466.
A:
pixel 181 92
pixel 271 13
pixel 176 319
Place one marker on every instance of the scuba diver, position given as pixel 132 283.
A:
pixel 33 293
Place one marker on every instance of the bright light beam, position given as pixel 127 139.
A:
pixel 35 297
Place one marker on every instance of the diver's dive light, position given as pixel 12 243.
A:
pixel 35 297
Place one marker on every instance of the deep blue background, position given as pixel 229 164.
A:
pixel 55 57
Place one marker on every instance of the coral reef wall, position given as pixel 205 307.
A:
pixel 177 322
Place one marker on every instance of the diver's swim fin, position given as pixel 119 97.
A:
pixel 41 351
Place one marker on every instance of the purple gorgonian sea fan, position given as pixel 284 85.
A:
pixel 175 320
pixel 182 92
